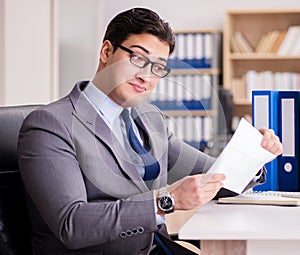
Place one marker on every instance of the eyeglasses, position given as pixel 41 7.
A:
pixel 142 61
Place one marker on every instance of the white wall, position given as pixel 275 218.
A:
pixel 26 52
pixel 195 14
pixel 83 22
pixel 80 23
pixel 28 61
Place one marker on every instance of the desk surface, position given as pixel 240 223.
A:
pixel 243 222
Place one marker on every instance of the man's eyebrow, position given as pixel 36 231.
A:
pixel 145 50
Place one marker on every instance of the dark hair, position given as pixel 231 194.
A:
pixel 139 21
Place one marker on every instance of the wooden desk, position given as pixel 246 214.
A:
pixel 245 229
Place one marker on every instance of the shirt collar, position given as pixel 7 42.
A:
pixel 108 108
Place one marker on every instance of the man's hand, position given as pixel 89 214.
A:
pixel 196 190
pixel 270 141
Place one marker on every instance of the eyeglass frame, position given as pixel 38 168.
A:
pixel 147 60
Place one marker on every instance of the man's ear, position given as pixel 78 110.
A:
pixel 106 51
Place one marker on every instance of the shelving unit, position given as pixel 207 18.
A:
pixel 188 96
pixel 193 113
pixel 253 24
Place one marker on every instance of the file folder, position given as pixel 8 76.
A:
pixel 265 114
pixel 289 134
pixel 199 50
pixel 208 50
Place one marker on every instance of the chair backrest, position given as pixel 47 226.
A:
pixel 15 227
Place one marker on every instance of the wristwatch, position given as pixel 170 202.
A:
pixel 165 201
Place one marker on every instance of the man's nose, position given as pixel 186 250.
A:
pixel 145 73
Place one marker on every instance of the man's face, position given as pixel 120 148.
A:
pixel 128 84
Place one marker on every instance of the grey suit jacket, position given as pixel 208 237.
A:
pixel 84 194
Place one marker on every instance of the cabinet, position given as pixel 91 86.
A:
pixel 253 25
pixel 188 95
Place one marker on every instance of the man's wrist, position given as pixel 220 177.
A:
pixel 165 202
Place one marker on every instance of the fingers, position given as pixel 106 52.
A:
pixel 206 178
pixel 197 190
pixel 270 141
pixel 206 183
pixel 209 185
pixel 207 189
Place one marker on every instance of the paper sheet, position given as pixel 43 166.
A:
pixel 242 158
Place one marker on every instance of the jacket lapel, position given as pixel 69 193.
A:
pixel 88 116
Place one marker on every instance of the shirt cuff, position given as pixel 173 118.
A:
pixel 258 176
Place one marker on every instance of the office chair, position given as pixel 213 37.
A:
pixel 15 230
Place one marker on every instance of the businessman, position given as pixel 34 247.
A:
pixel 100 167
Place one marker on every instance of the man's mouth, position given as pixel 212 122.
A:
pixel 138 88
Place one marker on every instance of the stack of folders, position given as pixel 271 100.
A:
pixel 264 198
pixel 193 130
pixel 183 92
pixel 196 50
pixel 279 110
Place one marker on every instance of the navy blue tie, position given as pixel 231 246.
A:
pixel 152 168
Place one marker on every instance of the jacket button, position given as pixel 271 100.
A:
pixel 140 230
pixel 129 233
pixel 123 235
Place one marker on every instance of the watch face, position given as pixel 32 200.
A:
pixel 166 203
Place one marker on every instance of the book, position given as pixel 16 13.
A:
pixel 243 43
pixel 234 46
pixel 278 41
pixel 251 78
pixel 266 42
pixel 261 44
pixel 264 198
pixel 296 47
pixel 272 37
pixel 289 41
